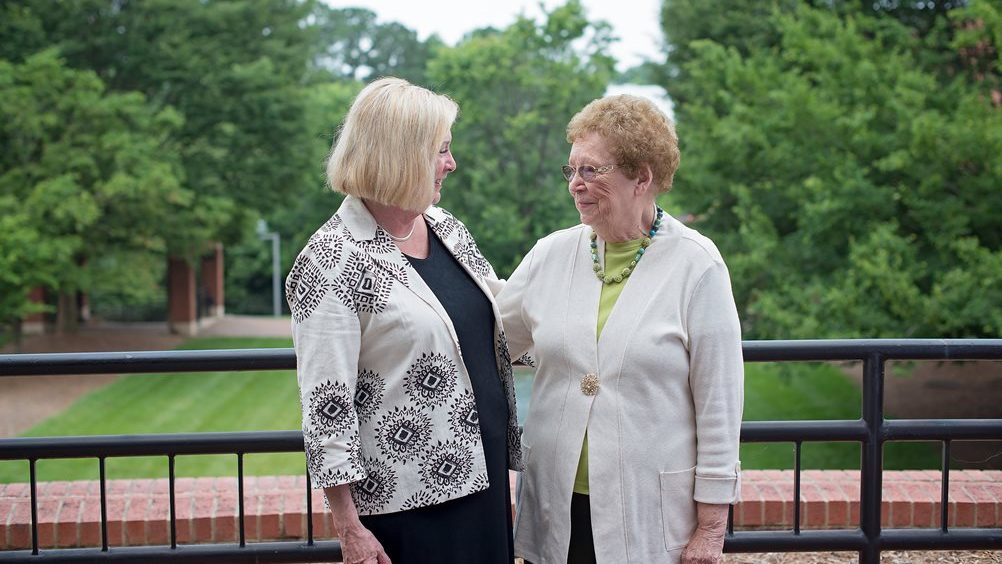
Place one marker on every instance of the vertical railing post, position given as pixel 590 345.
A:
pixel 173 500
pixel 871 468
pixel 102 474
pixel 944 499
pixel 33 477
pixel 240 498
pixel 796 486
pixel 309 509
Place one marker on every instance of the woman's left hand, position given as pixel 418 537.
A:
pixel 707 543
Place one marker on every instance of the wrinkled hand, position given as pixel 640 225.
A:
pixel 705 547
pixel 707 544
pixel 359 546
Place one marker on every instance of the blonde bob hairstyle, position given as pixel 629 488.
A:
pixel 635 131
pixel 386 148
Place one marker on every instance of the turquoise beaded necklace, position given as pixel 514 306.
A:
pixel 627 271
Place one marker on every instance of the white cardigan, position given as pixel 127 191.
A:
pixel 387 403
pixel 663 427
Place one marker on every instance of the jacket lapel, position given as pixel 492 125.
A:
pixel 583 295
pixel 384 254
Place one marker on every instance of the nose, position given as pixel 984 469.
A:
pixel 576 184
pixel 450 165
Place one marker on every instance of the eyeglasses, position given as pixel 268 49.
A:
pixel 587 172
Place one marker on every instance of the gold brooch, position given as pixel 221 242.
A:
pixel 589 384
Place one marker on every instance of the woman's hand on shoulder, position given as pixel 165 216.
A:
pixel 360 546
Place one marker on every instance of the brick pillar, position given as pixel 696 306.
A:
pixel 34 324
pixel 212 281
pixel 182 314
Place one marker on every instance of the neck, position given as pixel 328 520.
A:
pixel 396 221
pixel 636 227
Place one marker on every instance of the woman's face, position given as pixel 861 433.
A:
pixel 444 164
pixel 608 200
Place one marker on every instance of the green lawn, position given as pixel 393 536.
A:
pixel 811 391
pixel 254 401
pixel 177 403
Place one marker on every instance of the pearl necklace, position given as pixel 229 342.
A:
pixel 644 243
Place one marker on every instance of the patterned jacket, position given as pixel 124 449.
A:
pixel 387 403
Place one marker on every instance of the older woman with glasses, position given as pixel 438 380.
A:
pixel 631 442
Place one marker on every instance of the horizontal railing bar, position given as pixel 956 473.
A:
pixel 857 349
pixel 285 358
pixel 787 541
pixel 150 445
pixel 790 431
pixel 50 364
pixel 845 539
pixel 935 539
pixel 292 441
pixel 320 551
pixel 942 429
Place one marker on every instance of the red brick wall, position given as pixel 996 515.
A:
pixel 830 499
pixel 69 513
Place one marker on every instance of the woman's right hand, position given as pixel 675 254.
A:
pixel 360 546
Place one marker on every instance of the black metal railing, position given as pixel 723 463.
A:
pixel 871 431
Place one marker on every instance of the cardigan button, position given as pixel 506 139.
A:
pixel 589 384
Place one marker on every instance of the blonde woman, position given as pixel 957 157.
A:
pixel 410 440
pixel 631 442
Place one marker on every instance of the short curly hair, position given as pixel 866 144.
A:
pixel 636 132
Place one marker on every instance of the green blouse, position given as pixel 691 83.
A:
pixel 617 257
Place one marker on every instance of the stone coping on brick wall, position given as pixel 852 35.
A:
pixel 69 513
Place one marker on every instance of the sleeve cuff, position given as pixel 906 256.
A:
pixel 329 478
pixel 719 489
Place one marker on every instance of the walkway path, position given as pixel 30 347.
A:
pixel 26 401
pixel 249 326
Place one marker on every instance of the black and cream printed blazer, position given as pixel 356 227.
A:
pixel 387 403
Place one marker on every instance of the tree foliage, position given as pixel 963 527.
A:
pixel 844 155
pixel 232 70
pixel 851 184
pixel 85 172
pixel 352 44
pixel 248 264
pixel 151 126
pixel 517 88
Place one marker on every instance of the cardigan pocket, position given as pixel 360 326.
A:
pixel 678 512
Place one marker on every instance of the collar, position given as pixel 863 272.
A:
pixel 362 226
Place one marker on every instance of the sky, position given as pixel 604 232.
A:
pixel 635 22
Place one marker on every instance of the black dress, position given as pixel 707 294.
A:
pixel 477 527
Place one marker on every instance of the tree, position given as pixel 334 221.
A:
pixel 232 69
pixel 747 26
pixel 852 191
pixel 517 88
pixel 21 32
pixel 352 45
pixel 229 74
pixel 84 172
pixel 248 264
pixel 27 260
pixel 738 24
